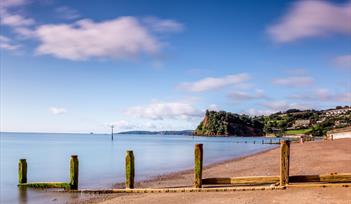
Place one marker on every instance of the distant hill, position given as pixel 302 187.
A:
pixel 226 123
pixel 168 132
pixel 290 122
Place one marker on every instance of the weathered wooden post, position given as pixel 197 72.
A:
pixel 74 171
pixel 22 171
pixel 270 141
pixel 284 162
pixel 198 166
pixel 262 141
pixel 130 170
pixel 301 140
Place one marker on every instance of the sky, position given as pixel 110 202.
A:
pixel 81 66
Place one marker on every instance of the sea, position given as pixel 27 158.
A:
pixel 101 160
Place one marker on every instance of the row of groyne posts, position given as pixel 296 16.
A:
pixel 201 184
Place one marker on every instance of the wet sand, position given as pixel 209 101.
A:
pixel 318 157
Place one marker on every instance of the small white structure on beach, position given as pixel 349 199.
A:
pixel 339 133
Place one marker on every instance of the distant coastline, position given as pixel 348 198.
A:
pixel 167 132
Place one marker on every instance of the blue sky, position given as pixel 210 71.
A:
pixel 68 66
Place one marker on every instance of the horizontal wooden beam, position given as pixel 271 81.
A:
pixel 327 178
pixel 179 190
pixel 46 185
pixel 242 180
pixel 320 185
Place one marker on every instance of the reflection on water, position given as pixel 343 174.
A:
pixel 101 161
pixel 22 195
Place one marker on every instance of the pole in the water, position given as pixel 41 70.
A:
pixel 112 126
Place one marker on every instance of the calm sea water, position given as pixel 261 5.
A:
pixel 101 161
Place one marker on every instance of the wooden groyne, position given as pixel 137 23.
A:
pixel 71 185
pixel 200 184
pixel 130 170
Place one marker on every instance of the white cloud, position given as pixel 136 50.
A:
pixel 168 110
pixel 15 20
pixel 57 110
pixel 343 61
pixel 122 37
pixel 211 83
pixel 6 43
pixel 245 96
pixel 311 19
pixel 294 81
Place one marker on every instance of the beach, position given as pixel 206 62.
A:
pixel 319 157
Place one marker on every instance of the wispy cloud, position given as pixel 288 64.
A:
pixel 323 95
pixel 9 18
pixel 281 105
pixel 122 125
pixel 212 83
pixel 15 20
pixel 246 96
pixel 269 107
pixel 67 13
pixel 165 110
pixel 6 43
pixel 57 110
pixel 213 107
pixel 294 81
pixel 312 19
pixel 343 61
pixel 163 25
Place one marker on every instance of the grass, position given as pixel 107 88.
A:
pixel 295 132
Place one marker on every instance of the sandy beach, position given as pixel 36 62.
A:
pixel 318 157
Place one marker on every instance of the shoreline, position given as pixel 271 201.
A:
pixel 318 157
pixel 147 183
pixel 174 174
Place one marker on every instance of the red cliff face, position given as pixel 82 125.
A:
pixel 205 121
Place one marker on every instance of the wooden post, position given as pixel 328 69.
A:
pixel 270 141
pixel 130 170
pixel 284 162
pixel 254 142
pixel 74 171
pixel 301 140
pixel 198 166
pixel 22 171
pixel 262 141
